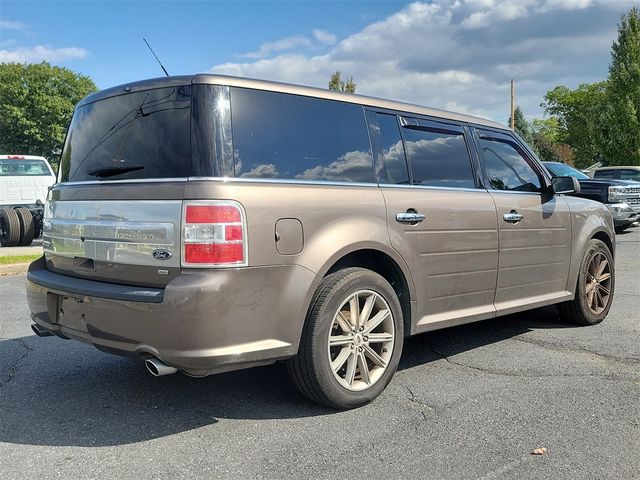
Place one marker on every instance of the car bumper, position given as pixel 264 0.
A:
pixel 623 215
pixel 205 321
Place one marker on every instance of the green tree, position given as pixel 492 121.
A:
pixel 621 116
pixel 579 113
pixel 544 135
pixel 521 125
pixel 336 83
pixel 36 104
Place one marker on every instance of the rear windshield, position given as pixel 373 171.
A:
pixel 23 168
pixel 132 136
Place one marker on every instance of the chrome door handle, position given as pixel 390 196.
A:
pixel 409 217
pixel 512 217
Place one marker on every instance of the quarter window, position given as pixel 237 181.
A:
pixel 385 134
pixel 438 157
pixel 287 136
pixel 507 168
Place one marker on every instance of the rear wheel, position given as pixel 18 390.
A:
pixel 351 342
pixel 594 291
pixel 27 230
pixel 9 227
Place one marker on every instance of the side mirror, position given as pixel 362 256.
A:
pixel 565 185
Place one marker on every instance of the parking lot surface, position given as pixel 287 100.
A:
pixel 468 402
pixel 33 249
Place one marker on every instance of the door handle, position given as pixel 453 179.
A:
pixel 410 217
pixel 512 217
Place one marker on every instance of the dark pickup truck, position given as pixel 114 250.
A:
pixel 621 197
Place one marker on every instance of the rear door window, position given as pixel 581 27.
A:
pixel 284 136
pixel 605 174
pixel 437 154
pixel 633 175
pixel 131 136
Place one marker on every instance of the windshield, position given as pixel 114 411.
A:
pixel 132 136
pixel 562 170
pixel 23 168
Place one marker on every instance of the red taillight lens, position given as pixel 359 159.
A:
pixel 213 214
pixel 214 253
pixel 233 232
pixel 213 234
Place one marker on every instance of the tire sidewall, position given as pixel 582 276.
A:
pixel 324 314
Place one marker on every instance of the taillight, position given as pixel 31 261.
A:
pixel 213 234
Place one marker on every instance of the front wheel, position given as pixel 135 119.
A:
pixel 351 342
pixel 594 291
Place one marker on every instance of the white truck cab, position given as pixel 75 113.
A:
pixel 24 185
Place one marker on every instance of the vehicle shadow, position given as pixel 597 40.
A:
pixel 60 393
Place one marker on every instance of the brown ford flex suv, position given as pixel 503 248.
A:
pixel 211 223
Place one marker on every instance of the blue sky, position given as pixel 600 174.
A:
pixel 458 55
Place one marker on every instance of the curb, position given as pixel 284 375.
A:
pixel 13 269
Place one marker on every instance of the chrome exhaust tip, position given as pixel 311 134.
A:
pixel 39 331
pixel 158 368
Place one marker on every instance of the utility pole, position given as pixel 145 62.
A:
pixel 513 105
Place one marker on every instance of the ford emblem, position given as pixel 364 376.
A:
pixel 161 254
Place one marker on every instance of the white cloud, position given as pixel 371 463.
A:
pixel 41 53
pixel 288 43
pixel 12 25
pixel 459 55
pixel 324 37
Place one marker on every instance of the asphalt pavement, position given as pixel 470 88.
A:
pixel 470 402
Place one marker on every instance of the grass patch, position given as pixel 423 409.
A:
pixel 18 259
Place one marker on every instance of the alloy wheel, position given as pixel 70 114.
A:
pixel 361 340
pixel 598 283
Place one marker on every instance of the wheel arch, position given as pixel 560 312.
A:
pixel 606 239
pixel 385 265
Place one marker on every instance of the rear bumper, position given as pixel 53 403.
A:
pixel 206 321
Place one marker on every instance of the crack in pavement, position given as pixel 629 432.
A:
pixel 560 348
pixel 494 371
pixel 12 370
pixel 415 400
pixel 422 407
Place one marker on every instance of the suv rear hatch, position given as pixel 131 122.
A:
pixel 116 214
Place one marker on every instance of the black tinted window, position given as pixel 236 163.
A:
pixel 630 175
pixel 438 157
pixel 278 135
pixel 507 167
pixel 605 174
pixel 393 164
pixel 137 135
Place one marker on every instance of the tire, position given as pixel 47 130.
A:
pixel 363 366
pixel 594 290
pixel 27 230
pixel 9 227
